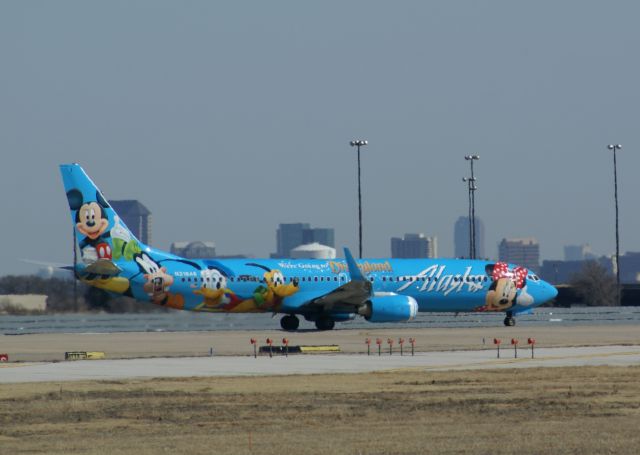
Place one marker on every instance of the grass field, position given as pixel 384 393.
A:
pixel 588 410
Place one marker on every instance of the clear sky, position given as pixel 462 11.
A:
pixel 227 118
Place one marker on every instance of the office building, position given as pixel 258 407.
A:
pixel 136 217
pixel 560 272
pixel 414 246
pixel 630 267
pixel 292 235
pixel 563 272
pixel 461 238
pixel 524 252
pixel 323 236
pixel 194 250
pixel 578 252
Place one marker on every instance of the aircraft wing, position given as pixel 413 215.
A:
pixel 344 299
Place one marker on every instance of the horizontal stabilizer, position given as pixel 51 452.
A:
pixel 103 267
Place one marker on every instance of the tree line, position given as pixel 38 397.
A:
pixel 62 297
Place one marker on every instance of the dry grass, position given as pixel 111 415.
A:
pixel 533 411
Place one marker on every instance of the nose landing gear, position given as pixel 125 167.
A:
pixel 509 320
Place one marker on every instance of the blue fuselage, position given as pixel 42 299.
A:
pixel 456 285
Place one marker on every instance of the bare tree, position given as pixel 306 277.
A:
pixel 595 285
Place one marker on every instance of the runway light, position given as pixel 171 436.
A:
pixel 532 342
pixel 497 342
pixel 514 342
pixel 254 342
pixel 270 342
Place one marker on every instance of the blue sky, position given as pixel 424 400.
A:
pixel 227 118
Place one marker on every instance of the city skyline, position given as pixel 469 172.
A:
pixel 226 119
pixel 461 233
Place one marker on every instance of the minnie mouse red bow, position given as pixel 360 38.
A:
pixel 501 270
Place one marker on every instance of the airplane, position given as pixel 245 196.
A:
pixel 322 291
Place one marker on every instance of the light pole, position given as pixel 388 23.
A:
pixel 472 191
pixel 469 183
pixel 359 143
pixel 614 148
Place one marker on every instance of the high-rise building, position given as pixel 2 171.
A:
pixel 461 238
pixel 136 217
pixel 323 236
pixel 194 250
pixel 578 252
pixel 524 252
pixel 563 272
pixel 414 246
pixel 289 236
pixel 292 235
pixel 630 267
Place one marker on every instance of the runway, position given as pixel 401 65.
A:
pixel 52 346
pixel 314 364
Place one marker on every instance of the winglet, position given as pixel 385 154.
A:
pixel 354 271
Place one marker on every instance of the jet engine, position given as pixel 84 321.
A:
pixel 389 307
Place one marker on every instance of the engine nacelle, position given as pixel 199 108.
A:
pixel 390 307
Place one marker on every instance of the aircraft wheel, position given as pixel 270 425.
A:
pixel 290 322
pixel 509 321
pixel 325 323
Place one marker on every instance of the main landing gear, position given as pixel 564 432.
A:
pixel 509 320
pixel 290 322
pixel 325 323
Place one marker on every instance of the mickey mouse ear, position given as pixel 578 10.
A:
pixel 101 200
pixel 74 197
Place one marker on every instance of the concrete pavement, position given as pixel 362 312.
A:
pixel 315 364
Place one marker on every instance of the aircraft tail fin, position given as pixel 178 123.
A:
pixel 101 235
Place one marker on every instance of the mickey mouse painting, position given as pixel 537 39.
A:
pixel 504 288
pixel 92 222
